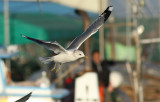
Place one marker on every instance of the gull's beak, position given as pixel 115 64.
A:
pixel 85 57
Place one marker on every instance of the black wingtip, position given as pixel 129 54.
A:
pixel 25 98
pixel 23 35
pixel 30 93
pixel 107 12
pixel 110 8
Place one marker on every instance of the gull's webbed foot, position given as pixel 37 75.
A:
pixel 58 68
pixel 54 67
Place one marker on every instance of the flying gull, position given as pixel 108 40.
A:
pixel 72 53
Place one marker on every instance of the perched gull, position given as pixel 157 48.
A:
pixel 72 53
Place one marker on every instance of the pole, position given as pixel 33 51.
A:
pixel 128 28
pixel 6 23
pixel 102 3
pixel 6 29
pixel 138 71
pixel 87 42
pixel 112 37
pixel 159 17
pixel 159 22
pixel 128 43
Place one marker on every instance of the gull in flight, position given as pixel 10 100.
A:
pixel 72 53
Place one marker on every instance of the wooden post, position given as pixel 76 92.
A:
pixel 102 4
pixel 112 37
pixel 87 42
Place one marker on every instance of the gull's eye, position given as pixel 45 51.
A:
pixel 80 54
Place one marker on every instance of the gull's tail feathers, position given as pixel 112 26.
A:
pixel 45 60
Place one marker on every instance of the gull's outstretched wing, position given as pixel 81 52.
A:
pixel 93 28
pixel 25 98
pixel 53 46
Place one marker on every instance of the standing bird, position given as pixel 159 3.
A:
pixel 72 53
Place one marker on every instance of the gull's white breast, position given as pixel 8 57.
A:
pixel 65 57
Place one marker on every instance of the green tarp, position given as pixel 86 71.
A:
pixel 122 53
pixel 19 27
pixel 41 26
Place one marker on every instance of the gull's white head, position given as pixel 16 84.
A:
pixel 79 54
